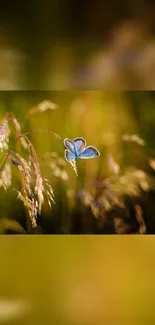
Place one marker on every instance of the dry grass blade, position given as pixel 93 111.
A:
pixel 31 205
pixel 33 199
pixel 3 130
pixel 6 176
pixel 4 135
pixel 133 138
pixel 73 165
pixel 27 197
pixel 17 125
pixel 42 107
pixel 42 186
pixel 23 166
pixel 113 166
pixel 152 163
pixel 140 219
pixel 39 187
pixel 18 131
pixel 120 226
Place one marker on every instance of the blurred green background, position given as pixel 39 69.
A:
pixel 64 45
pixel 77 280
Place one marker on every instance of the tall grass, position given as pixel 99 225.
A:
pixel 108 195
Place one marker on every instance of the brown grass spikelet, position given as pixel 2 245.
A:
pixel 18 131
pixel 113 166
pixel 26 171
pixel 120 226
pixel 140 219
pixel 49 192
pixel 42 186
pixel 152 163
pixel 4 135
pixel 131 182
pixel 26 195
pixel 16 124
pixel 133 138
pixel 31 204
pixel 41 107
pixel 39 185
pixel 6 176
pixel 74 166
pixel 33 199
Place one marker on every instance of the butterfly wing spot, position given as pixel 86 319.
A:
pixel 89 152
pixel 69 145
pixel 69 156
pixel 80 144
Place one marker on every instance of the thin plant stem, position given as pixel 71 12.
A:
pixel 40 130
pixel 9 152
pixel 22 136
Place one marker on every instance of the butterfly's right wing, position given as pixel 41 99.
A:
pixel 69 145
pixel 80 144
pixel 69 156
pixel 89 152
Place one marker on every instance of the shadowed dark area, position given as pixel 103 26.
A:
pixel 77 45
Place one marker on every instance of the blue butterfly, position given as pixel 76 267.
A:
pixel 76 149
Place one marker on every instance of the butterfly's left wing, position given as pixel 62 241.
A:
pixel 69 156
pixel 80 144
pixel 69 145
pixel 89 152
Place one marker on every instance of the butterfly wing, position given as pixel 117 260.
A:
pixel 69 156
pixel 80 144
pixel 89 152
pixel 69 145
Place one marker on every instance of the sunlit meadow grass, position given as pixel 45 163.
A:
pixel 111 202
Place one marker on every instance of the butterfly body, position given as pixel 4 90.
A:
pixel 76 153
pixel 76 149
